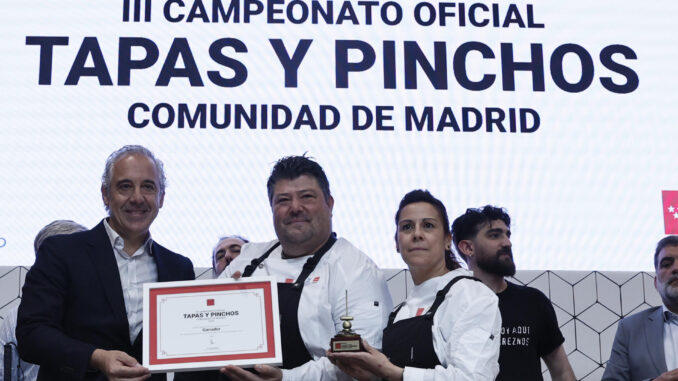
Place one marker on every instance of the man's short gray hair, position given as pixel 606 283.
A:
pixel 225 237
pixel 56 228
pixel 214 250
pixel 670 240
pixel 130 150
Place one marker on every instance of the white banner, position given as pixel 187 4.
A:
pixel 559 111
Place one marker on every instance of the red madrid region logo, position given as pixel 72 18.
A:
pixel 670 203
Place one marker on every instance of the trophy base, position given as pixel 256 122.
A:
pixel 346 343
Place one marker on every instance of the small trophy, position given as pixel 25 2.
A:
pixel 346 340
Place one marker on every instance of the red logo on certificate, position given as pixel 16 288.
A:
pixel 316 279
pixel 210 302
pixel 420 311
pixel 670 202
pixel 289 280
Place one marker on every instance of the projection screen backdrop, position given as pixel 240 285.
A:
pixel 561 112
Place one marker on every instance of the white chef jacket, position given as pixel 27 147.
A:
pixel 323 299
pixel 466 329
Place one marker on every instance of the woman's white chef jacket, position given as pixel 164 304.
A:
pixel 466 329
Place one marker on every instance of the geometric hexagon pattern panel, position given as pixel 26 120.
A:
pixel 11 280
pixel 588 305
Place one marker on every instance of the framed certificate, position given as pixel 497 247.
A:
pixel 207 324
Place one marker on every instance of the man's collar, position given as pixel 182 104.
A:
pixel 668 314
pixel 113 236
pixel 327 244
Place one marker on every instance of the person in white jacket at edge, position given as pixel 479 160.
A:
pixel 449 326
pixel 311 301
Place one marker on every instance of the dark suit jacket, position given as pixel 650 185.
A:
pixel 638 348
pixel 72 304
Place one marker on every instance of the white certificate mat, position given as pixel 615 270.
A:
pixel 208 324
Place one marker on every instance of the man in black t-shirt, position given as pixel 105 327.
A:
pixel 529 331
pixel 529 326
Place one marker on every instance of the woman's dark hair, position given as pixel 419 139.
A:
pixel 422 195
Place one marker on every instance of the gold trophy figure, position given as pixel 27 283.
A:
pixel 346 340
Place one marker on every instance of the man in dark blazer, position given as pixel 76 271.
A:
pixel 646 343
pixel 81 310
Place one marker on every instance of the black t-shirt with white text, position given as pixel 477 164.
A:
pixel 529 330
